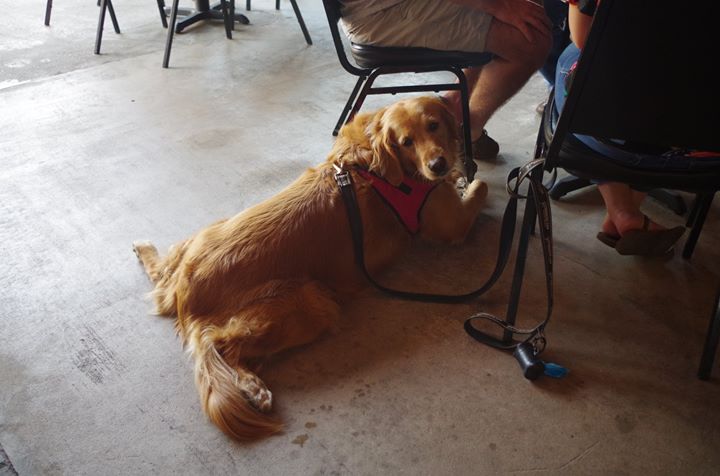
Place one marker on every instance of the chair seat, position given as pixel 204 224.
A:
pixel 376 56
pixel 615 163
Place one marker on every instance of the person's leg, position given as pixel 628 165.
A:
pixel 493 84
pixel 442 25
pixel 623 209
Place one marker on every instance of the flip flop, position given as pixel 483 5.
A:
pixel 643 242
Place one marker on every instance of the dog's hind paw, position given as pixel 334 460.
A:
pixel 257 393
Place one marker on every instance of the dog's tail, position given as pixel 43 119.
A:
pixel 226 392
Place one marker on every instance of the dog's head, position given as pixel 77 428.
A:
pixel 415 137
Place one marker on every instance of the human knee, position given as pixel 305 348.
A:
pixel 508 43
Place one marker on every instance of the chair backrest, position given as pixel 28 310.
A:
pixel 647 75
pixel 334 13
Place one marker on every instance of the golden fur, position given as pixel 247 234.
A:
pixel 273 276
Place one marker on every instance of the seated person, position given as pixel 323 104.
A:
pixel 625 227
pixel 517 32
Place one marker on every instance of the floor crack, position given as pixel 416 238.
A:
pixel 561 467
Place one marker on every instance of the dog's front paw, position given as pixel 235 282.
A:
pixel 256 393
pixel 477 189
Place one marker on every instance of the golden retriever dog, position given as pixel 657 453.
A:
pixel 275 275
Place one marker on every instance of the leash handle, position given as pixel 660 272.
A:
pixel 533 336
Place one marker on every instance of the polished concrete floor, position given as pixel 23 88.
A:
pixel 98 151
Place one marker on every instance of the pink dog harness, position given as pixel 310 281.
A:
pixel 406 200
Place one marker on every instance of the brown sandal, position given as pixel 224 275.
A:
pixel 643 242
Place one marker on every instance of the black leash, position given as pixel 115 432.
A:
pixel 534 342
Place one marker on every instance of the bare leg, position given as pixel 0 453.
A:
pixel 493 84
pixel 623 209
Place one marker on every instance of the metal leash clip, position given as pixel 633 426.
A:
pixel 342 177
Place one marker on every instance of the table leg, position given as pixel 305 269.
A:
pixel 205 11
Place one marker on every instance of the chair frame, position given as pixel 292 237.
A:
pixel 364 85
pixel 105 5
pixel 550 146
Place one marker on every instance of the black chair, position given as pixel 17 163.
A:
pixel 106 5
pixel 101 22
pixel 645 76
pixel 374 61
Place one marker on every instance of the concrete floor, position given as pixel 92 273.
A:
pixel 98 151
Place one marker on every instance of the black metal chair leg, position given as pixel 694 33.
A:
pixel 348 104
pixel 703 206
pixel 470 166
pixel 111 9
pixel 101 25
pixel 308 40
pixel 161 9
pixel 362 95
pixel 48 9
pixel 226 19
pixel 277 4
pixel 711 343
pixel 171 31
pixel 232 15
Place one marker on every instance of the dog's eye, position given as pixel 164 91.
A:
pixel 407 142
pixel 433 126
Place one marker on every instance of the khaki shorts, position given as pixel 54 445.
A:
pixel 436 24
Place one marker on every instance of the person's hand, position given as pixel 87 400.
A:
pixel 525 15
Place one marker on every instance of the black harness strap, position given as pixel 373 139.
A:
pixel 541 200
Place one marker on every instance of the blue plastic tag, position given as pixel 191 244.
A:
pixel 555 370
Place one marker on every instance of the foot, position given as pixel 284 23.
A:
pixel 648 239
pixel 485 148
pixel 621 223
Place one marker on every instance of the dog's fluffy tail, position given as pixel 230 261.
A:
pixel 225 392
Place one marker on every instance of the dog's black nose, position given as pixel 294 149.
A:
pixel 438 165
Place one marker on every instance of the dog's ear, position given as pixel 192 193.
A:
pixel 385 161
pixel 450 122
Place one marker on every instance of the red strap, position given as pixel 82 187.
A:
pixel 406 200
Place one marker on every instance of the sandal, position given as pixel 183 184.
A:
pixel 643 242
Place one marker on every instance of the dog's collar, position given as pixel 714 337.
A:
pixel 406 200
